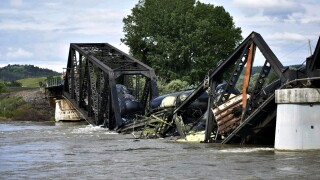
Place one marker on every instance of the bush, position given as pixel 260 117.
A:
pixel 10 105
pixel 13 84
pixel 173 86
pixel 27 113
pixel 16 109
pixel 177 85
pixel 2 87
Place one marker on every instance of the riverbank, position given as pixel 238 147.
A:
pixel 25 105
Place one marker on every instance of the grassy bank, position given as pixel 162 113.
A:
pixel 14 107
pixel 20 85
pixel 31 82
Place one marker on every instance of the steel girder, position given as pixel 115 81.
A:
pixel 93 70
pixel 313 62
pixel 260 112
pixel 261 100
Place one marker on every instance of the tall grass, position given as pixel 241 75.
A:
pixel 32 82
pixel 12 106
pixel 15 108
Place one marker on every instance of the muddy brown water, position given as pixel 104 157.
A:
pixel 48 150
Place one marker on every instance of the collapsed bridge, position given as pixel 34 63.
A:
pixel 112 89
pixel 246 117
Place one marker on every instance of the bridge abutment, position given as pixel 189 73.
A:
pixel 65 111
pixel 298 119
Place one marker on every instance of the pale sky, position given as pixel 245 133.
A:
pixel 39 32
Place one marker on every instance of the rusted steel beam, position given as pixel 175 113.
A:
pixel 246 79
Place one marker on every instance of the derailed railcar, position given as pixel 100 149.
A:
pixel 158 121
pixel 237 117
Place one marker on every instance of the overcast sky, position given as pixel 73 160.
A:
pixel 39 32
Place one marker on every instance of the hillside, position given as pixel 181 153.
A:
pixel 16 72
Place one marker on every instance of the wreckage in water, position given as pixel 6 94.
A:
pixel 229 116
pixel 112 89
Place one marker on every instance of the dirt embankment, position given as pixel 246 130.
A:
pixel 31 96
pixel 37 107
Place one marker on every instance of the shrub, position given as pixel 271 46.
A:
pixel 2 87
pixel 173 86
pixel 10 105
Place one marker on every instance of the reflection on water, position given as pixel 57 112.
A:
pixel 39 150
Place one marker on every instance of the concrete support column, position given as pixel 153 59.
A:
pixel 65 111
pixel 298 119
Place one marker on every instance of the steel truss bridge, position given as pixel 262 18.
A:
pixel 95 69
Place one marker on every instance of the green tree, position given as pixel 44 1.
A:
pixel 173 86
pixel 180 39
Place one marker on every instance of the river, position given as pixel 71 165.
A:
pixel 48 150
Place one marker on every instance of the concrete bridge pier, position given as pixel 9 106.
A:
pixel 298 119
pixel 65 111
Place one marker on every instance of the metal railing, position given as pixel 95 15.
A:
pixel 54 82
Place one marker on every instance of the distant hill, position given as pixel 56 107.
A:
pixel 16 72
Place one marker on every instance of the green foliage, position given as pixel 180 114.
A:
pixel 252 83
pixel 161 83
pixel 15 108
pixel 177 85
pixel 272 77
pixel 32 82
pixel 180 39
pixel 10 106
pixel 173 86
pixel 13 84
pixel 254 77
pixel 16 72
pixel 3 87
